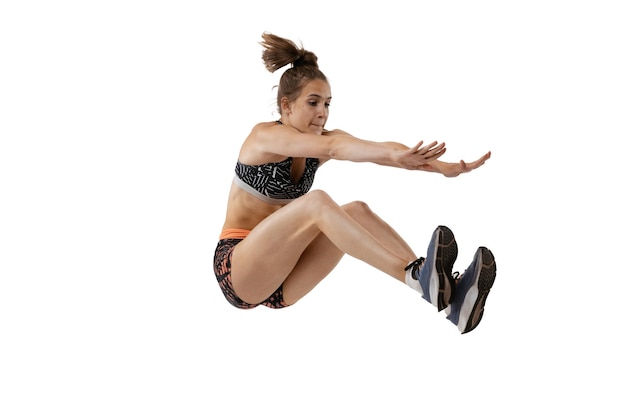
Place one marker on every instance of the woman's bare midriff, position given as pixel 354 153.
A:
pixel 245 211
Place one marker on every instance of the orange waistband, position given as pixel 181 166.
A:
pixel 234 233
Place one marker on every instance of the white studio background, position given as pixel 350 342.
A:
pixel 120 124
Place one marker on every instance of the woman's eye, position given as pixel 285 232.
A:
pixel 313 103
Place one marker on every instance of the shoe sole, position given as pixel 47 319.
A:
pixel 474 304
pixel 441 286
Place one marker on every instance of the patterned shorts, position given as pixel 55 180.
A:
pixel 221 266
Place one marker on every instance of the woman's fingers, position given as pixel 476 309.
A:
pixel 419 149
pixel 436 152
pixel 430 151
pixel 479 162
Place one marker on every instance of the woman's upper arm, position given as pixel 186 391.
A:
pixel 287 141
pixel 272 139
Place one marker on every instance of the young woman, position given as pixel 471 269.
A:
pixel 279 240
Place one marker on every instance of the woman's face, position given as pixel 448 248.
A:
pixel 309 112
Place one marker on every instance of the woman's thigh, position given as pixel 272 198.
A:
pixel 273 249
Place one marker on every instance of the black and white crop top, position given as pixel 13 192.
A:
pixel 272 183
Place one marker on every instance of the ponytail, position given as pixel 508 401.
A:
pixel 279 52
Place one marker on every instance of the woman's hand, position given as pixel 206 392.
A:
pixel 416 157
pixel 454 169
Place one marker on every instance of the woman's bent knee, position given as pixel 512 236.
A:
pixel 318 196
pixel 357 207
pixel 319 200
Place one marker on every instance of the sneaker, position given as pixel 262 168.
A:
pixel 434 273
pixel 471 291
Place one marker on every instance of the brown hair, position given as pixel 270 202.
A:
pixel 279 52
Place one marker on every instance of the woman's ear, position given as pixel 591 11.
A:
pixel 285 106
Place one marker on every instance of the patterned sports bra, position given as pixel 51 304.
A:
pixel 272 183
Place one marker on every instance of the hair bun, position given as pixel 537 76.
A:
pixel 306 58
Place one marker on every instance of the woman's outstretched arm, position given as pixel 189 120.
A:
pixel 268 139
pixel 437 166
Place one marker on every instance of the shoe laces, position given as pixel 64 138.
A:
pixel 456 277
pixel 415 264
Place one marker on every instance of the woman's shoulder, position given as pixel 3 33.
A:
pixel 257 148
pixel 263 130
pixel 266 125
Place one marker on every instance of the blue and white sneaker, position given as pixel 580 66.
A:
pixel 434 273
pixel 471 291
